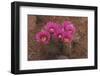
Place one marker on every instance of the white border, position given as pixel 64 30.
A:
pixel 26 65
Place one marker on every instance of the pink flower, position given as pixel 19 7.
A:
pixel 59 32
pixel 69 27
pixel 64 33
pixel 43 37
pixel 51 27
pixel 67 37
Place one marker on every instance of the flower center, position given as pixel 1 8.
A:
pixel 51 30
pixel 44 38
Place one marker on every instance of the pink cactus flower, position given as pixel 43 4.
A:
pixel 67 37
pixel 43 37
pixel 64 33
pixel 51 27
pixel 69 27
pixel 59 32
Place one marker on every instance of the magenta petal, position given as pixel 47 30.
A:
pixel 51 27
pixel 59 32
pixel 69 27
pixel 67 37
